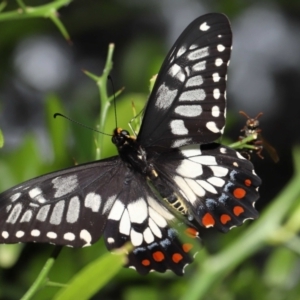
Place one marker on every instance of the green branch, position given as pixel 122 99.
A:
pixel 43 11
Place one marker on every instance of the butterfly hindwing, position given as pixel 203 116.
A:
pixel 217 184
pixel 150 227
pixel 187 104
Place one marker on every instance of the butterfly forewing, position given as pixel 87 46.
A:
pixel 187 104
pixel 69 207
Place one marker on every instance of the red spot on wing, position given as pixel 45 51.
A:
pixel 187 247
pixel 208 220
pixel 248 182
pixel 177 257
pixel 191 232
pixel 225 218
pixel 158 256
pixel 146 262
pixel 237 210
pixel 239 193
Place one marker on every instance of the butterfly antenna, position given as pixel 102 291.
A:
pixel 78 123
pixel 115 106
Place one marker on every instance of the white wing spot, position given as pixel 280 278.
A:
pixel 240 155
pixel 194 185
pixel 51 235
pixel 235 164
pixel 157 218
pixel 220 48
pixel 189 169
pixel 212 127
pixel 86 236
pixel 190 150
pixel 138 211
pixel 180 142
pixel 176 72
pixel 110 240
pixel 116 211
pixel 26 216
pixel 43 213
pixel 148 236
pixel 188 110
pixel 198 54
pixel 136 238
pixel 200 66
pixel 20 233
pixel 69 236
pixel 108 203
pixel 64 185
pixel 178 128
pixel 194 81
pixel 8 208
pixel 37 195
pixel 165 97
pixel 193 46
pixel 35 232
pixel 73 210
pixel 193 95
pixel 219 171
pixel 92 201
pixel 181 51
pixel 223 150
pixel 228 63
pixel 204 27
pixel 207 186
pixel 219 62
pixel 57 213
pixel 216 181
pixel 216 93
pixel 15 213
pixel 216 77
pixel 5 234
pixel 188 192
pixel 215 111
pixel 125 224
pixel 15 197
pixel 154 228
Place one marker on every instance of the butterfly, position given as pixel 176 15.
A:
pixel 172 173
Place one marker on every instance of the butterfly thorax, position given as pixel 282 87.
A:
pixel 131 152
pixel 135 157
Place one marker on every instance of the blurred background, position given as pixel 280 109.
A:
pixel 41 73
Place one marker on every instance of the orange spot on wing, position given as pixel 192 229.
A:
pixel 208 220
pixel 187 247
pixel 158 256
pixel 146 262
pixel 237 210
pixel 177 257
pixel 239 193
pixel 248 182
pixel 191 232
pixel 225 218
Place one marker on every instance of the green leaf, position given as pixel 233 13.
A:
pixel 92 278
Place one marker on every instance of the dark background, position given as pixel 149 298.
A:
pixel 37 64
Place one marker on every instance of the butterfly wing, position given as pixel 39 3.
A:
pixel 187 104
pixel 218 185
pixel 151 228
pixel 68 207
pixel 75 206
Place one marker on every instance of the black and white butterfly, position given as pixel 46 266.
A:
pixel 172 173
